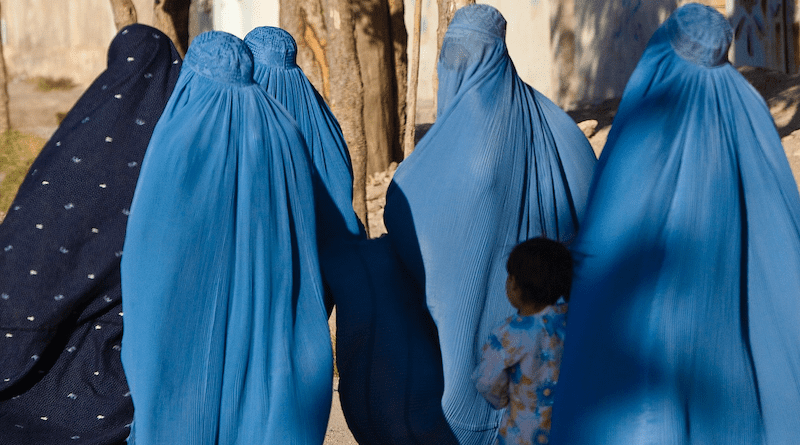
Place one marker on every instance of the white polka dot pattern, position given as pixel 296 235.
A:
pixel 68 218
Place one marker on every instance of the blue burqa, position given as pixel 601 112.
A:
pixel 61 378
pixel 684 324
pixel 226 338
pixel 274 53
pixel 387 351
pixel 501 164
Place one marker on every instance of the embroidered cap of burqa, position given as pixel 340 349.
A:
pixel 226 337
pixel 501 164
pixel 685 311
pixel 275 56
pixel 61 379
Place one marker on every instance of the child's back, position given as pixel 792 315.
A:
pixel 520 362
pixel 530 349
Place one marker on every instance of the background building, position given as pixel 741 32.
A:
pixel 573 51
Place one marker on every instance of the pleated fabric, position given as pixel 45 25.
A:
pixel 501 164
pixel 61 378
pixel 226 338
pixel 684 321
pixel 387 351
pixel 275 55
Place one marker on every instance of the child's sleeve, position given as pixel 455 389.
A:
pixel 490 377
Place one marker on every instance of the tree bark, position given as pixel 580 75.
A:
pixel 5 118
pixel 347 94
pixel 303 20
pixel 447 9
pixel 326 51
pixel 172 18
pixel 201 17
pixel 356 63
pixel 375 48
pixel 400 37
pixel 408 144
pixel 124 13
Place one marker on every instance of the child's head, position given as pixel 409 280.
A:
pixel 541 271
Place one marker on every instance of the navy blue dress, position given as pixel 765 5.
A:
pixel 61 379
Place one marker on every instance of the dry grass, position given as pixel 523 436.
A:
pixel 17 152
pixel 46 84
pixel 333 344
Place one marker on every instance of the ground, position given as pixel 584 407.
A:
pixel 34 111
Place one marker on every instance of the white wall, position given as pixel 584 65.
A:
pixel 238 17
pixel 611 36
pixel 427 54
pixel 527 38
pixel 57 38
pixel 573 51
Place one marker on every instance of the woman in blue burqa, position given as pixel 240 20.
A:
pixel 387 353
pixel 684 324
pixel 226 338
pixel 500 165
pixel 61 378
pixel 275 53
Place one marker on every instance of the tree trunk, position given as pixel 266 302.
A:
pixel 347 94
pixel 413 81
pixel 201 17
pixel 326 51
pixel 447 9
pixel 303 20
pixel 124 13
pixel 5 118
pixel 172 18
pixel 381 41
pixel 354 52
pixel 375 47
pixel 400 38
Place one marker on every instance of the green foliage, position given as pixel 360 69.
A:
pixel 17 152
pixel 47 84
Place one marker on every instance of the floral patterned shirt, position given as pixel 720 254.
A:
pixel 519 369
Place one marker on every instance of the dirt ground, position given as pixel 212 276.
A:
pixel 34 111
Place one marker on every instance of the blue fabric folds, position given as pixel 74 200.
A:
pixel 501 164
pixel 684 321
pixel 61 379
pixel 390 366
pixel 226 338
pixel 274 53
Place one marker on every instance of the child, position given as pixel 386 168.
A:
pixel 519 363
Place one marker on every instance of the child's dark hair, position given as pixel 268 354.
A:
pixel 542 268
